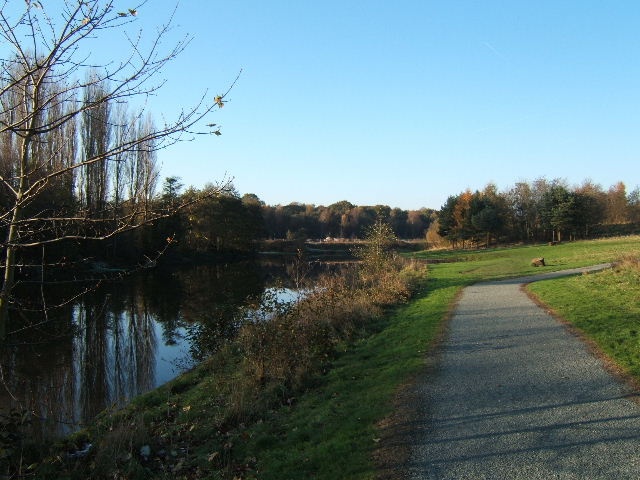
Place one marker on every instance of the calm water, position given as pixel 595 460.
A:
pixel 100 348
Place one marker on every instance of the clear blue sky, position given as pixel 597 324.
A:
pixel 404 103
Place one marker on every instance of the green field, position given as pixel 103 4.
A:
pixel 471 266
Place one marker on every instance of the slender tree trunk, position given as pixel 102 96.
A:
pixel 7 284
pixel 9 269
pixel 12 238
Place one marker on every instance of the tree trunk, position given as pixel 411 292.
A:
pixel 9 272
pixel 13 237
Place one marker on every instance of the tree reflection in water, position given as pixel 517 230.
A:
pixel 120 340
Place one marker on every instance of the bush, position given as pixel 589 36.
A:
pixel 292 344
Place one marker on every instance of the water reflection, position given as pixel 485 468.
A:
pixel 120 340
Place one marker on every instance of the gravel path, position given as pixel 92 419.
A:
pixel 516 396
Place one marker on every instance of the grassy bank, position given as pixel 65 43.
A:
pixel 323 422
pixel 331 431
pixel 471 266
pixel 603 306
pixel 221 419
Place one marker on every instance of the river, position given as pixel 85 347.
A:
pixel 98 346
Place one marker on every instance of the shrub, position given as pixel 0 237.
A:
pixel 293 343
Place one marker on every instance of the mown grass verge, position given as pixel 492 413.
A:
pixel 605 306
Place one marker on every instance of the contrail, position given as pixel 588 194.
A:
pixel 491 47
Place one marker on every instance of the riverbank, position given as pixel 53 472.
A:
pixel 198 425
pixel 330 428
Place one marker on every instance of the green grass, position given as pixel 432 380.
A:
pixel 604 306
pixel 472 266
pixel 330 433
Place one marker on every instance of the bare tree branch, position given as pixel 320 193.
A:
pixel 49 90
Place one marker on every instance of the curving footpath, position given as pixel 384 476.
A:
pixel 515 395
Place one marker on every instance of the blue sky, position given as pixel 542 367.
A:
pixel 404 103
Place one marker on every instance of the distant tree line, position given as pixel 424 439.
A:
pixel 542 210
pixel 233 223
pixel 342 220
pixel 219 221
pixel 222 221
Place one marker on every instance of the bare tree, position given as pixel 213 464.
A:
pixel 96 129
pixel 46 86
pixel 146 169
pixel 117 173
